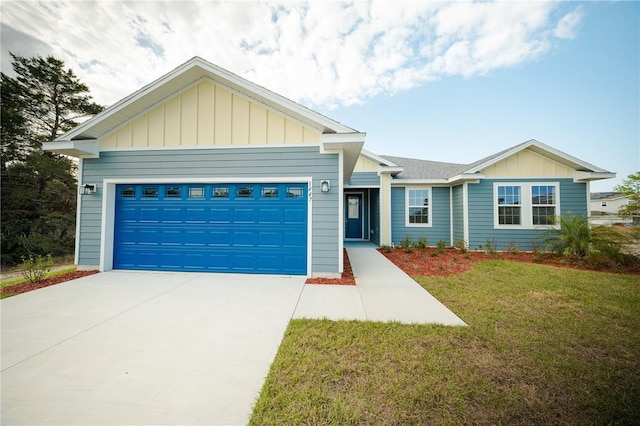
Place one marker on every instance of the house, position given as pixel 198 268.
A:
pixel 606 203
pixel 202 170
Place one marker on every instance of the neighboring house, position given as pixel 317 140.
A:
pixel 607 202
pixel 202 170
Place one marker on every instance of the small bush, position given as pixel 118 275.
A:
pixel 441 245
pixel 35 268
pixel 387 249
pixel 406 242
pixel 513 247
pixel 422 242
pixel 408 250
pixel 434 254
pixel 462 245
pixel 490 247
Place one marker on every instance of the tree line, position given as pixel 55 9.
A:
pixel 38 188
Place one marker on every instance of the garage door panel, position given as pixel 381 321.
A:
pixel 248 228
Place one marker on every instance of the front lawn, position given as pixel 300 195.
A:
pixel 544 345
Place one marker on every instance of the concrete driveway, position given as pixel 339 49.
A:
pixel 142 348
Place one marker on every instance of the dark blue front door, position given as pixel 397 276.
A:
pixel 244 228
pixel 353 216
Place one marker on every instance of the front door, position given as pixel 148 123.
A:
pixel 353 216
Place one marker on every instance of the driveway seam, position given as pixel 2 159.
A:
pixel 96 325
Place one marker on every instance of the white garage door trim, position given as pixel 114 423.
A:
pixel 107 227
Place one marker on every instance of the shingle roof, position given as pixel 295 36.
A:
pixel 424 169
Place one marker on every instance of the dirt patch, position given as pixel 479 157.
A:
pixel 431 262
pixel 25 287
pixel 347 275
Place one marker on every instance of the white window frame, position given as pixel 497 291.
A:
pixel 407 206
pixel 526 205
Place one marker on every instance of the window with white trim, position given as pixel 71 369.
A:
pixel 418 206
pixel 526 204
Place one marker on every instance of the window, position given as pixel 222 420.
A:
pixel 221 192
pixel 244 192
pixel 128 192
pixel 526 205
pixel 269 192
pixel 196 192
pixel 173 192
pixel 543 204
pixel 295 192
pixel 150 192
pixel 509 205
pixel 604 204
pixel 418 211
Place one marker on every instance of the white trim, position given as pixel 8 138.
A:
pixel 407 206
pixel 340 212
pixel 451 215
pixel 197 147
pixel 425 182
pixel 76 255
pixel 526 206
pixel 376 158
pixel 344 212
pixel 107 226
pixel 588 188
pixel 220 76
pixel 362 186
pixel 465 213
pixel 539 145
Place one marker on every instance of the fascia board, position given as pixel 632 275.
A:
pixel 278 102
pixel 373 157
pixel 88 148
pixel 579 176
pixel 541 148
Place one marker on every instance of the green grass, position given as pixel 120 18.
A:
pixel 22 281
pixel 544 345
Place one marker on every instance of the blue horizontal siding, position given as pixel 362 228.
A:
pixel 458 213
pixel 236 163
pixel 573 198
pixel 440 217
pixel 364 179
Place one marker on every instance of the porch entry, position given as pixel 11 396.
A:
pixel 353 216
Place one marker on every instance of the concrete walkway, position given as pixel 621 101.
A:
pixel 383 293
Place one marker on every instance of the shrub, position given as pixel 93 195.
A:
pixel 577 239
pixel 422 242
pixel 441 245
pixel 387 249
pixel 462 245
pixel 35 268
pixel 513 247
pixel 406 242
pixel 490 247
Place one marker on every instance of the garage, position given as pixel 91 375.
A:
pixel 233 228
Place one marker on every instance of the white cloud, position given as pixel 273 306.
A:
pixel 568 24
pixel 319 53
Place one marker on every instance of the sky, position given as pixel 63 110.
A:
pixel 441 81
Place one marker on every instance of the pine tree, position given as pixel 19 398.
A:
pixel 39 188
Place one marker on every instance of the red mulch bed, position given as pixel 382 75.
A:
pixel 25 287
pixel 347 275
pixel 429 262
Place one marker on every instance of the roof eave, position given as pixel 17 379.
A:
pixel 88 148
pixel 350 144
pixel 581 176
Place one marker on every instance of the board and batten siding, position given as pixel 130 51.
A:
pixel 207 114
pixel 527 163
pixel 231 163
pixel 440 217
pixel 572 196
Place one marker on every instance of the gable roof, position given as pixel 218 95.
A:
pixel 415 169
pixel 184 75
pixel 539 148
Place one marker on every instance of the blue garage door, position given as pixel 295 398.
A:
pixel 243 228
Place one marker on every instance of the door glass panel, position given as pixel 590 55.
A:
pixel 354 208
